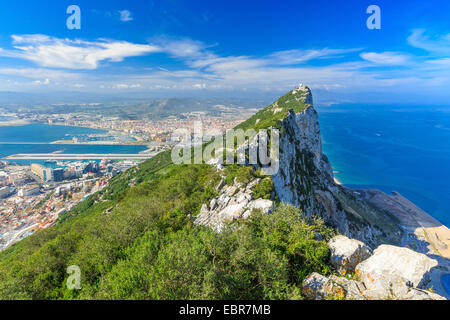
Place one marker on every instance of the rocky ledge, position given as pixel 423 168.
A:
pixel 389 273
pixel 235 202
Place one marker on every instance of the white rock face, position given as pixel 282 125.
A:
pixel 318 287
pixel 347 253
pixel 301 158
pixel 261 204
pixel 234 202
pixel 305 178
pixel 390 273
pixel 396 268
pixel 353 290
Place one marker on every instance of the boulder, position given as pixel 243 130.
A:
pixel 392 271
pixel 318 287
pixel 232 212
pixel 405 293
pixel 266 206
pixel 354 290
pixel 347 253
pixel 234 202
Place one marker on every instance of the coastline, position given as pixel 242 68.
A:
pixel 418 226
pixel 66 142
pixel 423 233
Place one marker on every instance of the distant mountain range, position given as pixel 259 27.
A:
pixel 127 108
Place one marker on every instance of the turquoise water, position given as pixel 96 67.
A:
pixel 406 150
pixel 43 134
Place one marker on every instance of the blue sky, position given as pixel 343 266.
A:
pixel 242 48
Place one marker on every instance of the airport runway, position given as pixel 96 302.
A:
pixel 72 156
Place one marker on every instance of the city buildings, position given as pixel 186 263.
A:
pixel 27 204
pixel 4 192
pixel 29 191
pixel 46 174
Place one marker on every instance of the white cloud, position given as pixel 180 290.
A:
pixel 198 55
pixel 125 15
pixel 182 48
pixel 386 58
pixel 73 54
pixel 439 45
pixel 302 56
pixel 126 86
pixel 340 70
pixel 44 82
pixel 444 62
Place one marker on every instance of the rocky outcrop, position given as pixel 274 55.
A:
pixel 236 201
pixel 390 273
pixel 395 268
pixel 318 287
pixel 305 179
pixel 347 253
pixel 303 176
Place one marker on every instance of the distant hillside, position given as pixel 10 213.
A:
pixel 131 109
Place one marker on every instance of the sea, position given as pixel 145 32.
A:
pixel 35 138
pixel 392 148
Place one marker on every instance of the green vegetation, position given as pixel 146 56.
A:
pixel 95 239
pixel 242 174
pixel 273 115
pixel 148 249
pixel 140 243
pixel 264 189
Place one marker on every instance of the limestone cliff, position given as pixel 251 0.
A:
pixel 305 180
pixel 305 177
